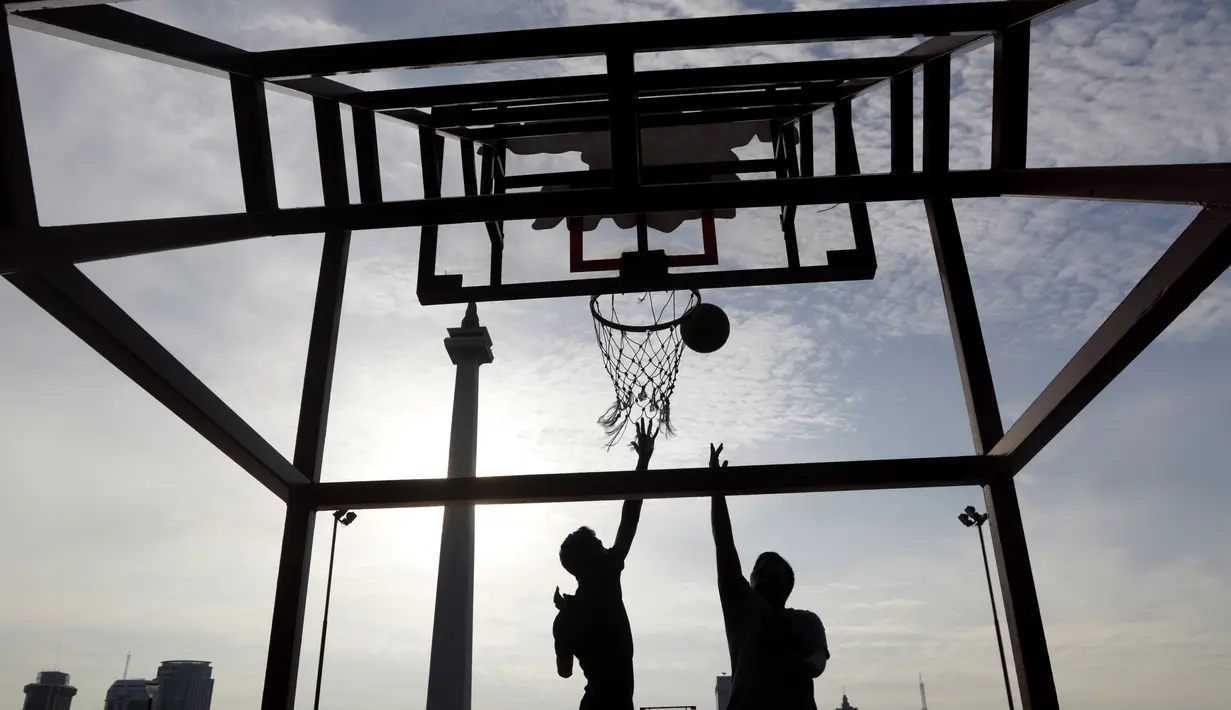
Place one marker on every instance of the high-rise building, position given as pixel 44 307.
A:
pixel 846 705
pixel 127 694
pixel 50 691
pixel 184 685
pixel 722 691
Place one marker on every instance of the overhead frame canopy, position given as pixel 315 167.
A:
pixel 40 260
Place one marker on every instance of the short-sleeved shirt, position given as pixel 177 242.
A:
pixel 768 649
pixel 594 627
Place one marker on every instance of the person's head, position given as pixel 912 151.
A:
pixel 580 551
pixel 772 578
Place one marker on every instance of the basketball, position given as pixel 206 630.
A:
pixel 705 328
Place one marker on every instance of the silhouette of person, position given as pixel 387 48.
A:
pixel 592 624
pixel 776 652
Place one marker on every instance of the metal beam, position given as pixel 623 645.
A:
pixel 625 133
pixel 367 156
pixel 1011 98
pixel 973 367
pixel 902 123
pixel 27 5
pixel 1200 184
pixel 256 157
pixel 936 95
pixel 1022 613
pixel 118 30
pixel 786 98
pixel 663 81
pixel 18 206
pixel 91 315
pixel 1197 257
pixel 331 282
pixel 652 174
pixel 51 246
pixel 590 125
pixel 653 36
pixel 846 162
pixel 662 483
pixel 290 594
pixel 1035 681
pixel 290 597
pixel 957 45
pixel 495 182
pixel 806 152
pixel 431 162
pixel 844 265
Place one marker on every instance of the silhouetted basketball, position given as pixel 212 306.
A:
pixel 705 328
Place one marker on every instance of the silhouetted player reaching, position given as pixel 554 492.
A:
pixel 776 652
pixel 592 624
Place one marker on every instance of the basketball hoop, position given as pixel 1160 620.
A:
pixel 642 356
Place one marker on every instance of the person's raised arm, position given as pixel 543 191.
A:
pixel 729 571
pixel 631 514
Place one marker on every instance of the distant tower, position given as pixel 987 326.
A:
pixel 846 705
pixel 50 691
pixel 923 696
pixel 722 691
pixel 184 685
pixel 127 694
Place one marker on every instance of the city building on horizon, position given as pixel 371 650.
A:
pixel 184 685
pixel 50 691
pixel 846 705
pixel 722 691
pixel 127 694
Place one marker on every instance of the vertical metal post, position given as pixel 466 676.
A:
pixel 982 408
pixel 1010 98
pixel 780 136
pixel 367 155
pixel 1035 681
pixel 806 158
pixel 1022 614
pixel 902 123
pixel 18 207
pixel 846 162
pixel 256 157
pixel 625 133
pixel 936 88
pixel 431 158
pixel 290 595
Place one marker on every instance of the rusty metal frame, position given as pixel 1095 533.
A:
pixel 41 261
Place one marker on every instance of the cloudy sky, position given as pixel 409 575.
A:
pixel 124 530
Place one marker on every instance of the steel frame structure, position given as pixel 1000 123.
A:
pixel 41 261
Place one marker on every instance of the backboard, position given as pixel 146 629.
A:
pixel 687 127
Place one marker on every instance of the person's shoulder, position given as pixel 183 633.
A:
pixel 804 616
pixel 614 562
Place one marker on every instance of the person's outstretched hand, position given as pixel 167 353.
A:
pixel 644 443
pixel 714 454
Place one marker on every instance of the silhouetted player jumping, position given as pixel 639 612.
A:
pixel 776 652
pixel 592 624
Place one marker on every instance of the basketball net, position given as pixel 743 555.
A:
pixel 642 357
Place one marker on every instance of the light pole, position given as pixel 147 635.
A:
pixel 345 517
pixel 975 519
